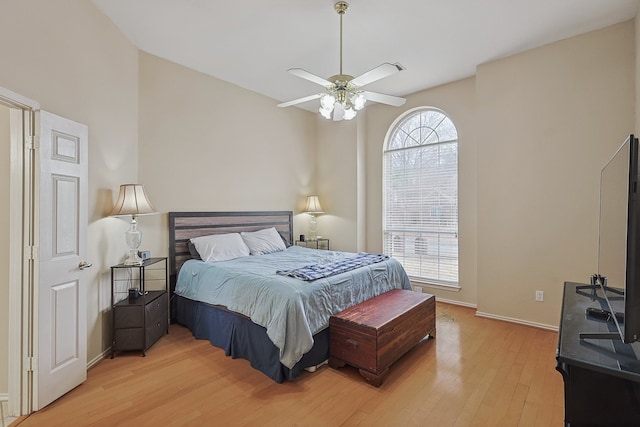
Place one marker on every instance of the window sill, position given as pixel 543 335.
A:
pixel 442 286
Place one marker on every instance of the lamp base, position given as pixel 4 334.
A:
pixel 313 226
pixel 133 236
pixel 133 259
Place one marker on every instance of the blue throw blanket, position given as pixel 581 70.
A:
pixel 319 271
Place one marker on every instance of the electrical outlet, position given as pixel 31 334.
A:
pixel 539 295
pixel 417 289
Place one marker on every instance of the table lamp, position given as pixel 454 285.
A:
pixel 133 200
pixel 313 208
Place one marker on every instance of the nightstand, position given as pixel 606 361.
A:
pixel 318 243
pixel 139 321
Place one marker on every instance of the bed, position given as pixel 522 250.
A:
pixel 276 321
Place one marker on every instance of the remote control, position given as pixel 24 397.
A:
pixel 600 314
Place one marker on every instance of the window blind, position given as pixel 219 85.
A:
pixel 420 187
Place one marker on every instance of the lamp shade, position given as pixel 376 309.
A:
pixel 313 205
pixel 132 200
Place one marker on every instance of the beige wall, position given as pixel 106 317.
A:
pixel 207 145
pixel 4 246
pixel 534 131
pixel 70 58
pixel 337 182
pixel 548 119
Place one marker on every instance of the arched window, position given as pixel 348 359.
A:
pixel 420 196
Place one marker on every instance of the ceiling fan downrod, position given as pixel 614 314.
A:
pixel 341 7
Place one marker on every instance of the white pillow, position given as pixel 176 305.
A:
pixel 263 241
pixel 220 247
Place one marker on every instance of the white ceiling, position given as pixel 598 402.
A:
pixel 252 43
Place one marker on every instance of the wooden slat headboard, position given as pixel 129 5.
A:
pixel 187 225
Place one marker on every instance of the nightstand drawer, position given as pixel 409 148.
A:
pixel 128 316
pixel 128 338
pixel 155 330
pixel 157 307
pixel 157 322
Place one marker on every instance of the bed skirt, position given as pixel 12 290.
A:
pixel 239 337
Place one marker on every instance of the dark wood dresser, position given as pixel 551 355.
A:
pixel 374 334
pixel 601 376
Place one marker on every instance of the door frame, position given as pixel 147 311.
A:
pixel 22 235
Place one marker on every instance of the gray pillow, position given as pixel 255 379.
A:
pixel 193 251
pixel 286 241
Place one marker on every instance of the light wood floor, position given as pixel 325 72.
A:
pixel 477 372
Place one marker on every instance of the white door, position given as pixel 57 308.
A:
pixel 61 292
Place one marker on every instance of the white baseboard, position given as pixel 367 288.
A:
pixel 497 317
pixel 518 321
pixel 4 397
pixel 454 302
pixel 93 362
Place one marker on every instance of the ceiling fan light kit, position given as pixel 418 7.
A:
pixel 344 97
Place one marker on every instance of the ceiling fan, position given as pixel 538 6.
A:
pixel 344 96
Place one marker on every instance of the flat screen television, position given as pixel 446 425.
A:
pixel 619 240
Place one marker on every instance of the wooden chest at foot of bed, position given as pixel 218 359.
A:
pixel 375 333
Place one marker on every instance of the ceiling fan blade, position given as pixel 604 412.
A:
pixel 311 77
pixel 300 100
pixel 380 72
pixel 396 101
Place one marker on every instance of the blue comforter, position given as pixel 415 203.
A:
pixel 291 310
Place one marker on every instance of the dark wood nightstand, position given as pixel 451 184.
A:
pixel 140 320
pixel 319 243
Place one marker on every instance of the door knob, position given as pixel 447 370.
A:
pixel 84 264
